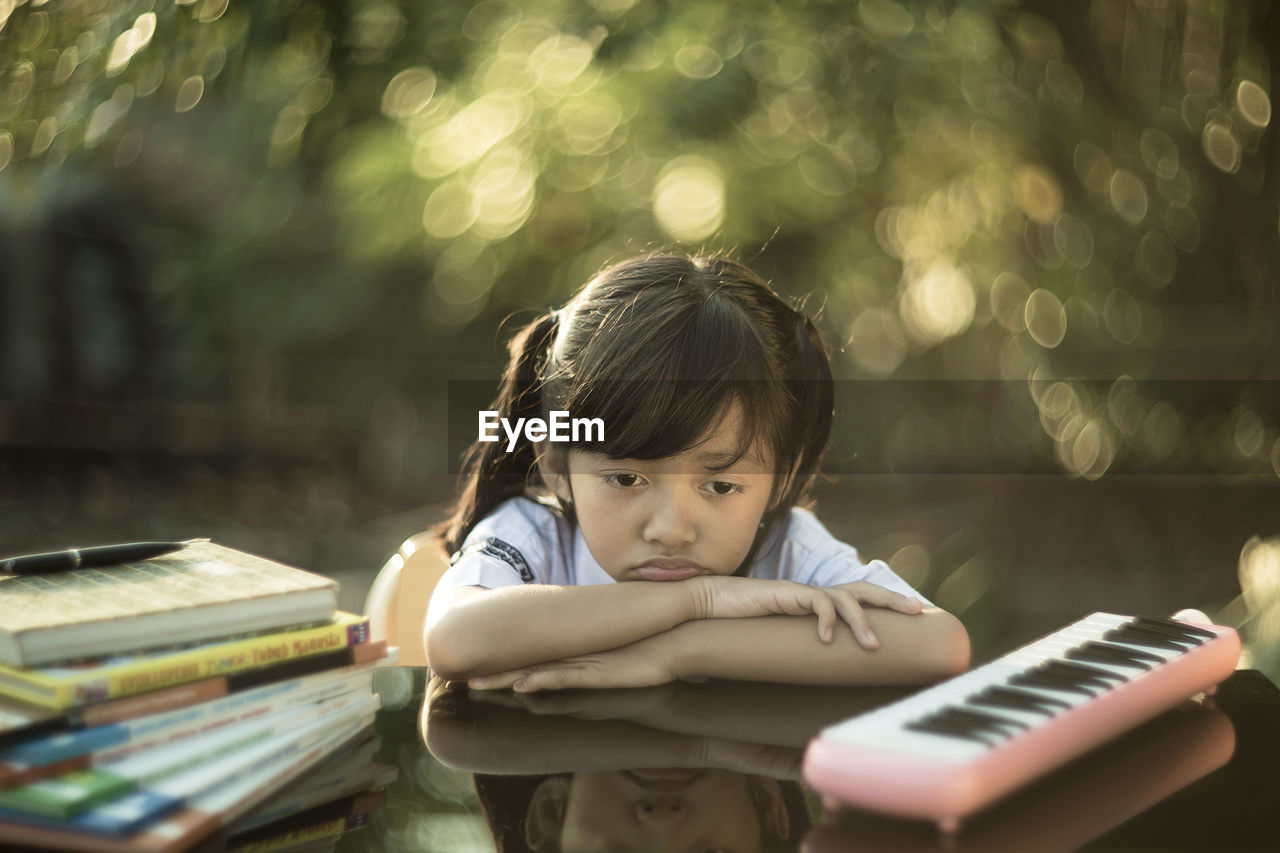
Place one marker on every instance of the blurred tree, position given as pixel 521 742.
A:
pixel 339 201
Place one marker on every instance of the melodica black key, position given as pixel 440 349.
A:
pixel 1018 700
pixel 1174 629
pixel 1047 680
pixel 952 748
pixel 1114 655
pixel 1136 636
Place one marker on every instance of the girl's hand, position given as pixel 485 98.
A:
pixel 720 597
pixel 637 704
pixel 640 664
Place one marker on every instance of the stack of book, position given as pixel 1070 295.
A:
pixel 147 706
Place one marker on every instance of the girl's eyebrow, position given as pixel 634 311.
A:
pixel 721 460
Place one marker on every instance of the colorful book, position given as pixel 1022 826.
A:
pixel 187 807
pixel 99 744
pixel 196 594
pixel 26 720
pixel 350 771
pixel 68 795
pixel 62 687
pixel 16 716
pixel 308 830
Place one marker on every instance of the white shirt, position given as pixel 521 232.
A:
pixel 523 541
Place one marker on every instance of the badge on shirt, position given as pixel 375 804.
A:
pixel 503 551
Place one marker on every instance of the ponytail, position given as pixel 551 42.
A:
pixel 490 475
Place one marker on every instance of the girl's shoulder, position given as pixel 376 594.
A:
pixel 520 513
pixel 523 532
pixel 800 535
pixel 802 549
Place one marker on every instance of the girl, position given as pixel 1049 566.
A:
pixel 674 547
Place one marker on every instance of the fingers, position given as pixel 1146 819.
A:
pixel 852 613
pixel 905 603
pixel 878 596
pixel 826 613
pixel 497 680
pixel 548 679
pixel 500 698
pixel 553 676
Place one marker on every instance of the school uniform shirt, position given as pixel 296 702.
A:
pixel 524 541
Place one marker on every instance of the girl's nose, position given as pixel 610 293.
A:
pixel 670 522
pixel 661 811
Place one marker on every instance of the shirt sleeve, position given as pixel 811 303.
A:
pixel 809 554
pixel 509 547
pixel 850 568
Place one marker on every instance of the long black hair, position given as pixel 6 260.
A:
pixel 659 348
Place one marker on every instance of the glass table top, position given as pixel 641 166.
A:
pixel 717 767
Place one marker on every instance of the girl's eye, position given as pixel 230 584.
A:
pixel 625 481
pixel 723 488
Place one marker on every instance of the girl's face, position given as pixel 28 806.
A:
pixel 672 518
pixel 655 810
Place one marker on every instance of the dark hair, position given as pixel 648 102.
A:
pixel 658 348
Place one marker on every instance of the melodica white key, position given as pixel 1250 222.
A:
pixel 951 749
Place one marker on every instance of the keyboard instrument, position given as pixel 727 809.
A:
pixel 951 749
pixel 1071 807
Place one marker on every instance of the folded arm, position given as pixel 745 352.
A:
pixel 913 649
pixel 472 630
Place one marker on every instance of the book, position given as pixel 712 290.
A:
pixel 24 720
pixel 101 744
pixel 207 798
pixel 63 687
pixel 114 740
pixel 68 795
pixel 201 592
pixel 324 822
pixel 350 771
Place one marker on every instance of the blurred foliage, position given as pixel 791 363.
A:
pixel 277 227
pixel 304 202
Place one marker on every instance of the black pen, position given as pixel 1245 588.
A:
pixel 84 558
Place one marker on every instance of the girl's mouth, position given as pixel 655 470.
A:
pixel 664 781
pixel 668 570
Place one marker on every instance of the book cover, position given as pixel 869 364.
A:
pixel 63 687
pixel 351 770
pixel 67 795
pixel 112 741
pixel 325 821
pixel 26 721
pixel 175 814
pixel 203 591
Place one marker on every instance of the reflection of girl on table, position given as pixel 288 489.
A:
pixel 605 779
pixel 716 400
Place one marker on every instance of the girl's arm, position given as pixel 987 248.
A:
pixel 471 630
pixel 913 649
pixel 474 631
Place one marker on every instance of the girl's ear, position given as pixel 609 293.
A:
pixel 553 465
pixel 545 817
